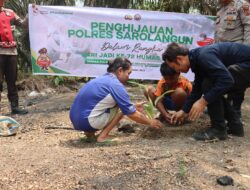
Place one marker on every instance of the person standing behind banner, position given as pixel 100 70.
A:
pixel 233 25
pixel 8 56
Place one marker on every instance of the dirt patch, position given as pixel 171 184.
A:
pixel 48 154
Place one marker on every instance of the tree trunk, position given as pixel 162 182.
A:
pixel 89 3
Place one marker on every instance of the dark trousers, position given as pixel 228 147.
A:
pixel 8 70
pixel 242 80
pixel 221 109
pixel 216 108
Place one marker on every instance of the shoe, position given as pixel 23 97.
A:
pixel 19 111
pixel 236 129
pixel 210 134
pixel 15 108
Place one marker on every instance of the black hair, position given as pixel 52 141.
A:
pixel 118 62
pixel 172 51
pixel 166 70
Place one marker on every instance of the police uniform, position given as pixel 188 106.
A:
pixel 233 22
pixel 233 25
pixel 8 56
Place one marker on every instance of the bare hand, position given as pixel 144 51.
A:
pixel 154 123
pixel 178 117
pixel 197 109
pixel 168 117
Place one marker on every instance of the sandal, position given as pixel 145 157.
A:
pixel 109 141
pixel 88 139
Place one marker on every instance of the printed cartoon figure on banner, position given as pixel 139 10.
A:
pixel 43 59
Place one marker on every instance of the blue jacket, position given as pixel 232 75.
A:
pixel 212 62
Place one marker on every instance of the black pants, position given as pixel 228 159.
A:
pixel 216 109
pixel 242 81
pixel 8 70
pixel 221 110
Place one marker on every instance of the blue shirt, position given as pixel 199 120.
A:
pixel 97 97
pixel 211 62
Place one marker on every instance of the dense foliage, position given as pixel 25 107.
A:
pixel 207 7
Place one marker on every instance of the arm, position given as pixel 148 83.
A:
pixel 196 93
pixel 160 106
pixel 140 118
pixel 163 111
pixel 217 72
pixel 213 69
pixel 189 87
pixel 197 109
pixel 21 22
pixel 120 94
pixel 220 78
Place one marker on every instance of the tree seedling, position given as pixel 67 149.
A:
pixel 149 106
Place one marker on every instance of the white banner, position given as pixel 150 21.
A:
pixel 72 41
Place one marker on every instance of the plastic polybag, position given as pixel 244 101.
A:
pixel 8 126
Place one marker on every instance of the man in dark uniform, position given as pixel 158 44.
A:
pixel 233 22
pixel 214 78
pixel 8 56
pixel 233 25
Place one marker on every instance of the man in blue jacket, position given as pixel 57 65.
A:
pixel 219 69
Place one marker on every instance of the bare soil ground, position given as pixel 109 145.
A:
pixel 48 154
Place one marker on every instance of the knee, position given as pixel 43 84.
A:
pixel 151 89
pixel 179 92
pixel 150 92
pixel 179 95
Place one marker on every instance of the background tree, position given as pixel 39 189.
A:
pixel 207 7
pixel 21 6
pixel 21 9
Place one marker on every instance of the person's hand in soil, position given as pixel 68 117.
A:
pixel 154 123
pixel 178 117
pixel 167 117
pixel 197 109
